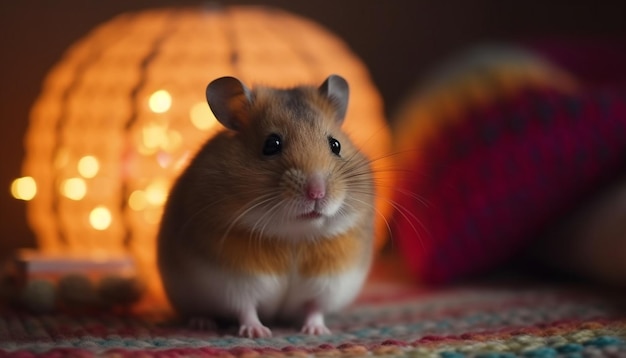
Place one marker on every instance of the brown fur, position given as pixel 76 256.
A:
pixel 330 256
pixel 245 253
pixel 202 222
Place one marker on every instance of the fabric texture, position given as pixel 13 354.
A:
pixel 503 173
pixel 388 320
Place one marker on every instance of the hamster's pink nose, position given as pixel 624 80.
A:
pixel 316 187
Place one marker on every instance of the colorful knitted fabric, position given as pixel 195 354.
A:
pixel 491 175
pixel 388 321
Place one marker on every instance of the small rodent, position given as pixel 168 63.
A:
pixel 273 218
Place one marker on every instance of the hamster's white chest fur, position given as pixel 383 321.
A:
pixel 205 290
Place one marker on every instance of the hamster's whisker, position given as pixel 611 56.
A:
pixel 396 167
pixel 195 215
pixel 389 155
pixel 263 221
pixel 245 210
pixel 290 212
pixel 407 214
pixel 411 218
pixel 355 175
pixel 404 192
pixel 352 178
pixel 420 199
pixel 350 163
pixel 375 210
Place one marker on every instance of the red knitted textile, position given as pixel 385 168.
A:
pixel 491 181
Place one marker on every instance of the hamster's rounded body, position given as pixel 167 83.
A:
pixel 273 219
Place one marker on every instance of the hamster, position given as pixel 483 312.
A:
pixel 273 218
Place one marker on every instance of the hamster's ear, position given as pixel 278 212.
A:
pixel 337 90
pixel 229 100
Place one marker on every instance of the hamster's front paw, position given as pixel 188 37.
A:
pixel 314 324
pixel 254 330
pixel 250 326
pixel 315 329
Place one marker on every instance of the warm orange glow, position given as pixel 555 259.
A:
pixel 113 135
pixel 100 218
pixel 153 216
pixel 201 116
pixel 74 188
pixel 88 166
pixel 173 141
pixel 156 192
pixel 154 135
pixel 137 200
pixel 160 101
pixel 24 188
pixel 61 159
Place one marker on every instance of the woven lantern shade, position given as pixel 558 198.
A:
pixel 124 110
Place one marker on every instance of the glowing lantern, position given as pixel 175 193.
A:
pixel 124 110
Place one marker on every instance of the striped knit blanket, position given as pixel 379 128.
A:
pixel 389 320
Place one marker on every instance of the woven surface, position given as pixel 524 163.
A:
pixel 483 321
pixel 503 170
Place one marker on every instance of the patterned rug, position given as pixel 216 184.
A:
pixel 389 320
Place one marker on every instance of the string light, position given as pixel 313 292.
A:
pixel 100 218
pixel 202 117
pixel 74 188
pixel 137 200
pixel 88 166
pixel 24 188
pixel 160 101
pixel 156 192
pixel 121 128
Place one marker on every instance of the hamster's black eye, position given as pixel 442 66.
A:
pixel 273 145
pixel 335 146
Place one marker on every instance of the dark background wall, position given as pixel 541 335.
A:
pixel 400 41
